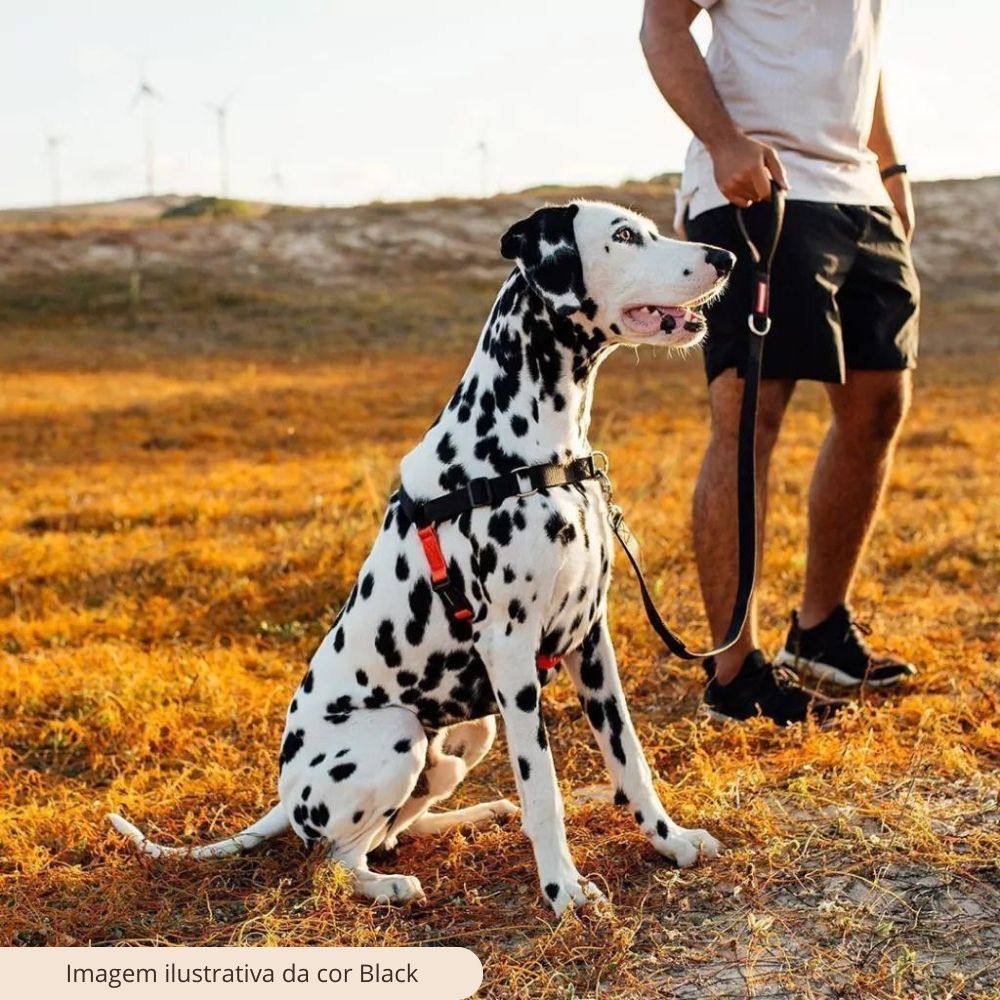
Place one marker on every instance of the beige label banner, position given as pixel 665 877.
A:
pixel 217 973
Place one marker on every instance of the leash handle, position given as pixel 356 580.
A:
pixel 759 319
pixel 759 322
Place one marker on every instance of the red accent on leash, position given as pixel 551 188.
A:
pixel 761 301
pixel 548 662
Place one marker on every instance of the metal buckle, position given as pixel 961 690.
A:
pixel 601 463
pixel 517 474
pixel 471 490
pixel 753 328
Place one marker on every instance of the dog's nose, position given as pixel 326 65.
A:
pixel 722 260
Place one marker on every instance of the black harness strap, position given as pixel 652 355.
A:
pixel 492 491
pixel 759 322
pixel 484 492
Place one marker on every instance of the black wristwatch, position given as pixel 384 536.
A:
pixel 896 168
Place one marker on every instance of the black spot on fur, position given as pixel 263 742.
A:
pixel 592 673
pixel 307 682
pixel 362 678
pixel 320 815
pixel 554 525
pixel 552 890
pixel 358 816
pixel 500 527
pixel 621 799
pixel 338 639
pixel 318 759
pixel 595 713
pixel 385 643
pixel 421 597
pixel 446 450
pixel 367 585
pixel 524 767
pixel 291 746
pixel 403 746
pixel 453 477
pixel 543 740
pixel 340 772
pixel 306 792
pixel 638 817
pixel 402 567
pixel 661 829
pixel 519 425
pixel 377 698
pixel 527 698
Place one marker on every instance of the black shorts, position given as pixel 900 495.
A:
pixel 844 292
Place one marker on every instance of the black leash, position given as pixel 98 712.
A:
pixel 759 322
pixel 492 491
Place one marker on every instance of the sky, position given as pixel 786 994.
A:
pixel 340 101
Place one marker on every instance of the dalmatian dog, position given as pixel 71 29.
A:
pixel 399 701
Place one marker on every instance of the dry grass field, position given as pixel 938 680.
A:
pixel 183 506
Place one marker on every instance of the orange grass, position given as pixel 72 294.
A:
pixel 174 542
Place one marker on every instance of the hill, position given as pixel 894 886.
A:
pixel 225 277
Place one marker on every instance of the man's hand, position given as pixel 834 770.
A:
pixel 901 196
pixel 744 168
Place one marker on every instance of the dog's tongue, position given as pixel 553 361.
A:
pixel 650 318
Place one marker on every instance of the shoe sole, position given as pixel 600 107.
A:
pixel 825 672
pixel 705 712
pixel 713 716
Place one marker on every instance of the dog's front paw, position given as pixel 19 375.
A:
pixel 574 890
pixel 684 847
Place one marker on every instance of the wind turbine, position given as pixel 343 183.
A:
pixel 145 96
pixel 277 179
pixel 52 144
pixel 221 112
pixel 484 159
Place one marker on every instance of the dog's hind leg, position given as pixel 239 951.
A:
pixel 594 670
pixel 349 796
pixel 452 754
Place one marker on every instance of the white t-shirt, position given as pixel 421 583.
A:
pixel 802 76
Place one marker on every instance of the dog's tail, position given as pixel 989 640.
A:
pixel 275 822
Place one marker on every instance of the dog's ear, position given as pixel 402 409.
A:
pixel 544 247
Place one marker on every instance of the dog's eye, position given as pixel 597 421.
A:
pixel 625 234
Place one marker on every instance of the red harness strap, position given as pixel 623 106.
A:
pixel 442 584
pixel 455 604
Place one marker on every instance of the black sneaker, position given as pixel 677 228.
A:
pixel 835 650
pixel 765 690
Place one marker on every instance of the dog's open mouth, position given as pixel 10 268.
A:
pixel 649 319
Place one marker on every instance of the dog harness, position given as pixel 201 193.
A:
pixel 487 491
pixel 493 491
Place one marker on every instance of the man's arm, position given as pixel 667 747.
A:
pixel 881 144
pixel 743 166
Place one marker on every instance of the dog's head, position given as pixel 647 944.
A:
pixel 612 266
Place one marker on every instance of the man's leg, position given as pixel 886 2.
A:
pixel 848 481
pixel 715 504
